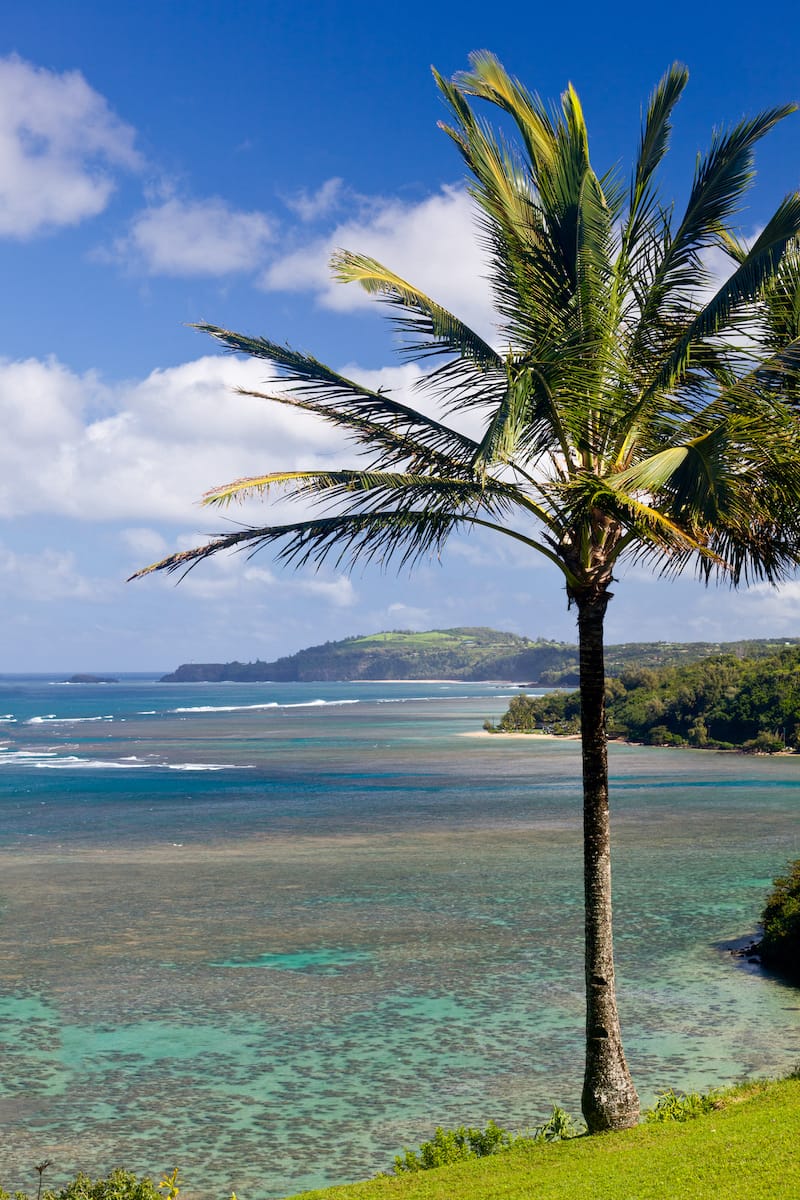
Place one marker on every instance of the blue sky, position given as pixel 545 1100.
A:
pixel 163 163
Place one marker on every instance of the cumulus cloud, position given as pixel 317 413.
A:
pixel 762 610
pixel 59 142
pixel 46 575
pixel 145 543
pixel 309 206
pixel 434 244
pixel 145 450
pixel 195 237
pixel 407 616
pixel 232 574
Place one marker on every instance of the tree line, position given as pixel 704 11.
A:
pixel 721 703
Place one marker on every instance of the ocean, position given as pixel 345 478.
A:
pixel 273 933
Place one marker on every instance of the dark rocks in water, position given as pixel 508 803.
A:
pixel 752 952
pixel 92 679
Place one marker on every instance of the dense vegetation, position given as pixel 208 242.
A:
pixel 780 945
pixel 465 653
pixel 117 1185
pixel 720 702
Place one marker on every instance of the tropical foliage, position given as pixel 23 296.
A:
pixel 780 945
pixel 449 1146
pixel 631 408
pixel 719 703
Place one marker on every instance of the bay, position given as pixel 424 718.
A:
pixel 271 933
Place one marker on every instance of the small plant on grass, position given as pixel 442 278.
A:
pixel 117 1185
pixel 681 1106
pixel 454 1145
pixel 558 1127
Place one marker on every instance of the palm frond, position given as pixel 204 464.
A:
pixel 367 491
pixel 388 446
pixel 489 80
pixel 329 391
pixel 781 301
pixel 442 333
pixel 637 519
pixel 721 179
pixel 746 283
pixel 654 143
pixel 349 538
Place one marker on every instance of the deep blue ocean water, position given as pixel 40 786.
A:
pixel 272 933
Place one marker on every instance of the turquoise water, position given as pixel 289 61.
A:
pixel 272 933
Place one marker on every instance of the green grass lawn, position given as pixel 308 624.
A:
pixel 747 1149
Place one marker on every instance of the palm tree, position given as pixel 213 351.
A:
pixel 630 412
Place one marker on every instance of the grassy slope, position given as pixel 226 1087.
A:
pixel 747 1150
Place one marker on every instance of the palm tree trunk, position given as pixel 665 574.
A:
pixel 609 1099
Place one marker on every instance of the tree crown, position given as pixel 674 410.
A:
pixel 631 405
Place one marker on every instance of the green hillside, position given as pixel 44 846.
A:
pixel 467 653
pixel 463 653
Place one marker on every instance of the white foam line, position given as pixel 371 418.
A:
pixel 52 719
pixel 211 708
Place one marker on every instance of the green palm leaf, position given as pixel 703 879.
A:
pixel 387 446
pixel 653 147
pixel 442 332
pixel 329 391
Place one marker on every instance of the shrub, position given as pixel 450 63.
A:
pixel 117 1185
pixel 659 735
pixel 780 946
pixel 681 1106
pixel 558 1127
pixel 764 743
pixel 454 1145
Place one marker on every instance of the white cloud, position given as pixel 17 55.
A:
pixel 148 449
pixel 45 576
pixel 406 616
pixel 310 205
pixel 234 574
pixel 145 450
pixel 433 244
pixel 146 543
pixel 58 139
pixel 338 592
pixel 195 237
pixel 763 610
